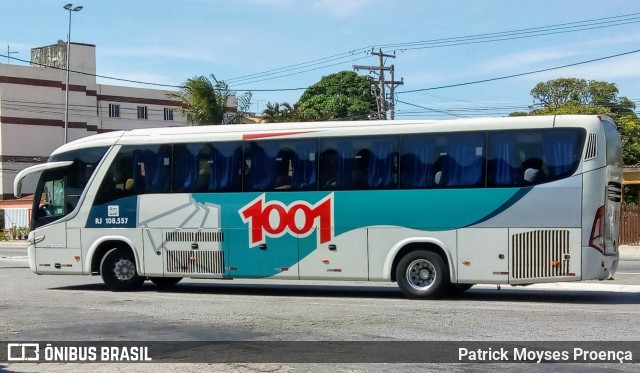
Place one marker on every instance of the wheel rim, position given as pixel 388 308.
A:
pixel 124 269
pixel 421 274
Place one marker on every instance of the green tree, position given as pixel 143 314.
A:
pixel 242 110
pixel 629 127
pixel 578 96
pixel 343 95
pixel 203 101
pixel 275 112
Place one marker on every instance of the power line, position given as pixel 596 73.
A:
pixel 431 109
pixel 349 56
pixel 452 41
pixel 299 65
pixel 521 33
pixel 520 74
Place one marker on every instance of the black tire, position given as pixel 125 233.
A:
pixel 165 282
pixel 118 270
pixel 422 274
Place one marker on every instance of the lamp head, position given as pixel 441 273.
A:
pixel 70 7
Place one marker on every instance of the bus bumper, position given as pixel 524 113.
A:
pixel 31 254
pixel 601 267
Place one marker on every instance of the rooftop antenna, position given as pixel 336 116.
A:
pixel 9 53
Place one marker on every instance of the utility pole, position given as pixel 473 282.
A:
pixel 381 98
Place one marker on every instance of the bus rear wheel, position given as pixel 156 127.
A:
pixel 118 270
pixel 165 282
pixel 422 274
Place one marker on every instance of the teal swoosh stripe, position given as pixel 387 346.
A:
pixel 433 210
pixel 510 202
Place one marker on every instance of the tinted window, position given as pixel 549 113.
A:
pixel 417 163
pixel 137 170
pixel 207 168
pixel 532 157
pixel 443 161
pixel 289 165
pixel 359 163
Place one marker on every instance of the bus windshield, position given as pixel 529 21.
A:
pixel 59 189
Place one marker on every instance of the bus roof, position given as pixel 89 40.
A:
pixel 320 129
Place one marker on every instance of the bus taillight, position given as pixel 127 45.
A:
pixel 596 240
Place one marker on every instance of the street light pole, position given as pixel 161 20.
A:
pixel 70 8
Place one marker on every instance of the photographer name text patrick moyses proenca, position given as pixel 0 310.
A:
pixel 516 354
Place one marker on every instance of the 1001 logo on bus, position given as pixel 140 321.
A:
pixel 299 218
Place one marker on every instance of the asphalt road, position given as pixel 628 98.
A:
pixel 76 308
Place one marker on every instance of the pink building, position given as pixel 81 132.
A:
pixel 32 107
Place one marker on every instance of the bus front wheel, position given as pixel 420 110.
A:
pixel 422 274
pixel 118 270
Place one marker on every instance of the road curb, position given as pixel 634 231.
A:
pixel 572 286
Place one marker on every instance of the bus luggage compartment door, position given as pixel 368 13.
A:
pixel 483 255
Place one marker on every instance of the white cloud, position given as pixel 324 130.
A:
pixel 341 8
pixel 622 67
pixel 138 76
pixel 522 60
pixel 164 52
pixel 333 8
pixel 618 39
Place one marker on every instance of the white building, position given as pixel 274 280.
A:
pixel 32 107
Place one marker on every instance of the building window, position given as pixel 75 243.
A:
pixel 142 112
pixel 114 111
pixel 168 114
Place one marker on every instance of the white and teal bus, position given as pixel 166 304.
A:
pixel 436 206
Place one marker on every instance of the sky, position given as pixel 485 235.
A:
pixel 276 48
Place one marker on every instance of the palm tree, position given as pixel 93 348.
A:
pixel 276 112
pixel 244 105
pixel 202 101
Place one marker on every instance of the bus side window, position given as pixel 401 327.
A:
pixel 466 163
pixel 360 169
pixel 150 170
pixel 114 184
pixel 304 166
pixel 561 153
pixel 503 163
pixel 328 169
pixel 186 162
pixel 417 163
pixel 383 164
pixel 284 170
pixel 261 159
pixel 337 165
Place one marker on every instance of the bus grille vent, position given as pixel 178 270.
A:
pixel 197 262
pixel 194 236
pixel 540 254
pixel 592 148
